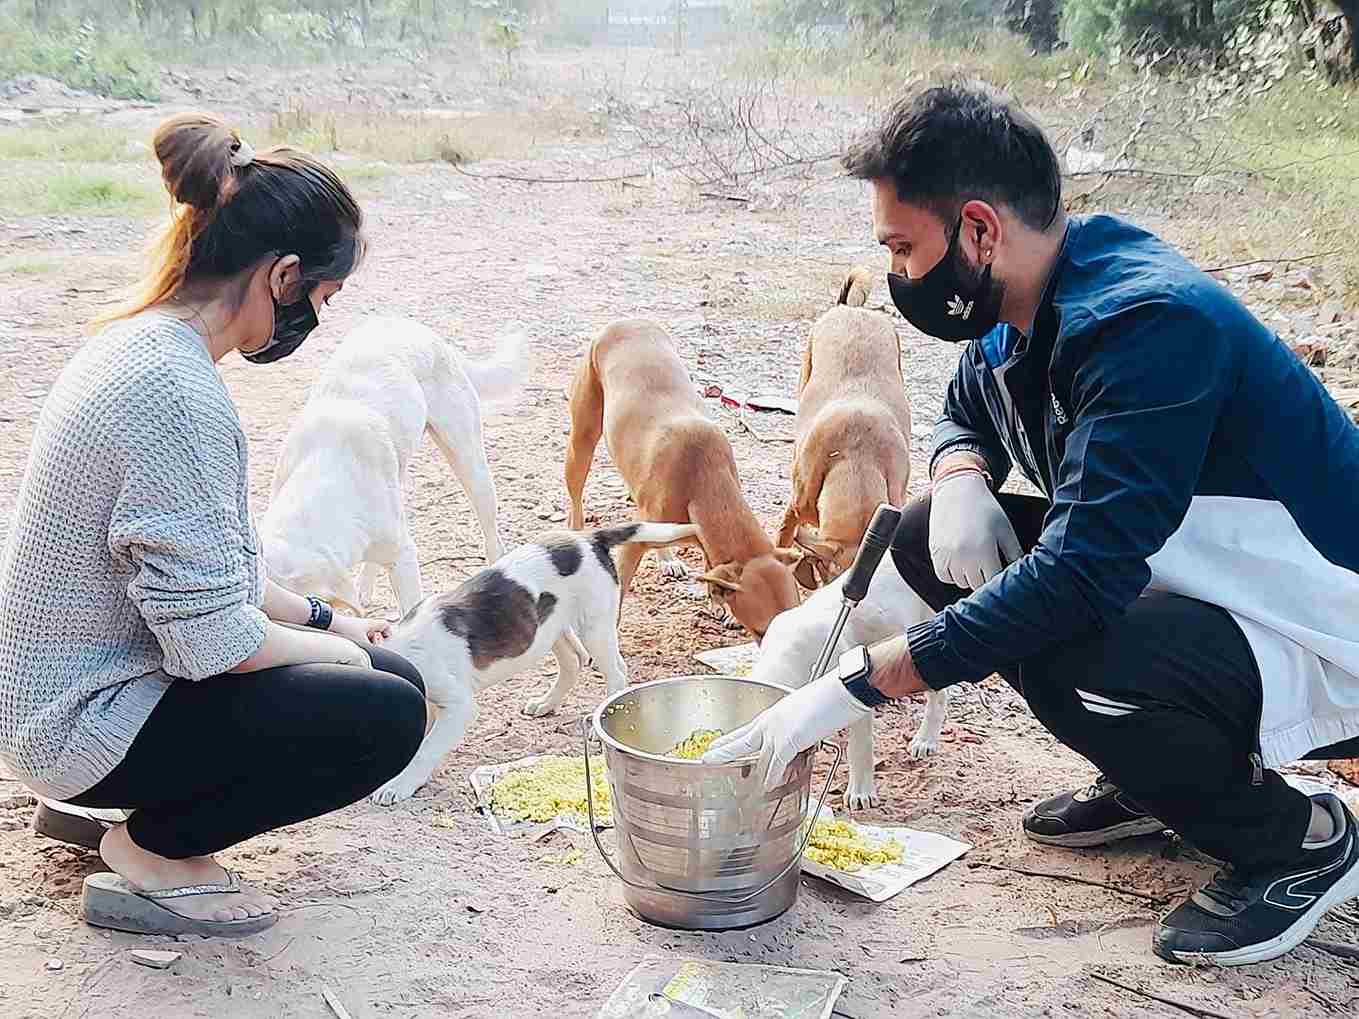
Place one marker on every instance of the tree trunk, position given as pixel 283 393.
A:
pixel 1350 10
pixel 1206 15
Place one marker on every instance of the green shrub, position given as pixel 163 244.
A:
pixel 106 63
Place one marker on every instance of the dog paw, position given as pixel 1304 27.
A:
pixel 674 569
pixel 398 789
pixel 922 746
pixel 539 708
pixel 862 796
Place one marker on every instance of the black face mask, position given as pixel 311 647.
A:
pixel 292 324
pixel 953 301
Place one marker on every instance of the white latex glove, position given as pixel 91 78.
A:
pixel 802 719
pixel 971 538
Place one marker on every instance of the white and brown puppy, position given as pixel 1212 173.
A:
pixel 506 618
pixel 633 389
pixel 795 639
pixel 337 489
pixel 853 448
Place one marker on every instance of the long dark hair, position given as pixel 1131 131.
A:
pixel 230 208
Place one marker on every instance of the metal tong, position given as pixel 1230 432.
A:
pixel 876 541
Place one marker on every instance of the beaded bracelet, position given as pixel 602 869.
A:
pixel 962 469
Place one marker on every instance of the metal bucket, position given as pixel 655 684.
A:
pixel 701 847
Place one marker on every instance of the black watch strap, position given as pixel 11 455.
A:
pixel 321 614
pixel 865 692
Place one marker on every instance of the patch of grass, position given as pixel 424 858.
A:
pixel 358 173
pixel 1292 160
pixel 78 140
pixel 76 191
pixel 887 65
pixel 29 265
pixel 107 63
pixel 393 137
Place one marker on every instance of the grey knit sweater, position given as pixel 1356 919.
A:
pixel 131 561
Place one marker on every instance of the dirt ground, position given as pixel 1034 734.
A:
pixel 416 910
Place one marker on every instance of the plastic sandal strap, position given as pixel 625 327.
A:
pixel 231 885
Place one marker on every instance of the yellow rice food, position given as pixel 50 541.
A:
pixel 695 745
pixel 549 788
pixel 841 846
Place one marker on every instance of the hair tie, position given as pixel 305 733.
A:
pixel 243 154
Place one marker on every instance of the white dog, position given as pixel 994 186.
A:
pixel 337 490
pixel 789 651
pixel 505 619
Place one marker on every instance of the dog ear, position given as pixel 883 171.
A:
pixel 721 578
pixel 805 573
pixel 810 542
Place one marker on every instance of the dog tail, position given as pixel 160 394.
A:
pixel 650 535
pixel 858 285
pixel 498 378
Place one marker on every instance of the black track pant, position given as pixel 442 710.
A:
pixel 1165 701
pixel 229 757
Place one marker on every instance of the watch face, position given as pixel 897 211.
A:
pixel 854 662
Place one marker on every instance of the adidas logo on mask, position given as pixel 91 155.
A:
pixel 958 308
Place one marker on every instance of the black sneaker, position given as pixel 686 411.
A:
pixel 1242 918
pixel 1094 816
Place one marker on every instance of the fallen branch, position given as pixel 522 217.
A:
pixel 1134 171
pixel 1134 892
pixel 1203 1013
pixel 620 179
pixel 451 559
pixel 340 1011
pixel 729 198
pixel 1336 948
pixel 1275 261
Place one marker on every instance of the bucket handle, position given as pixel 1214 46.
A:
pixel 588 737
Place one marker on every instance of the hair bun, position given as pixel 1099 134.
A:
pixel 195 153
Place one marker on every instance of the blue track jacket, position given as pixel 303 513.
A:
pixel 1145 387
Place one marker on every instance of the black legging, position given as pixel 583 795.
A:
pixel 226 758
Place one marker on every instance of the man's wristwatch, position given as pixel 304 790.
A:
pixel 321 614
pixel 854 671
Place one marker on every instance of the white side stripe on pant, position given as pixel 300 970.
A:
pixel 1101 705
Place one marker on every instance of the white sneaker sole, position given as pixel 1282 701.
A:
pixel 1343 890
pixel 1102 836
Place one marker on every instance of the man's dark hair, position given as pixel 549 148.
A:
pixel 950 144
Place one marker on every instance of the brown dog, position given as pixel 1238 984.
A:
pixel 633 389
pixel 854 425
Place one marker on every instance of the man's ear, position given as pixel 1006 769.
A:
pixel 981 218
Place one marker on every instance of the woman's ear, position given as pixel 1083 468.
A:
pixel 285 277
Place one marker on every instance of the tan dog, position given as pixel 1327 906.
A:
pixel 633 389
pixel 854 425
